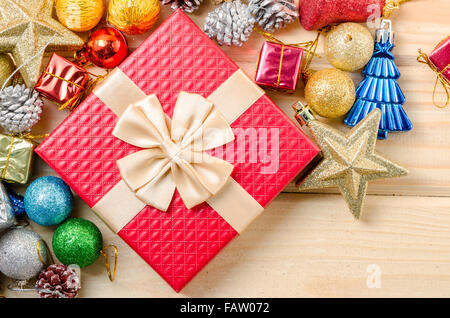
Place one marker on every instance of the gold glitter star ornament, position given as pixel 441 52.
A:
pixel 349 160
pixel 26 26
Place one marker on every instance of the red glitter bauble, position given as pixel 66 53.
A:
pixel 107 48
pixel 315 14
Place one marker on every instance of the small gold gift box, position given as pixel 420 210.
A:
pixel 15 158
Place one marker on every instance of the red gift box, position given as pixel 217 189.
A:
pixel 279 66
pixel 61 80
pixel 440 57
pixel 268 152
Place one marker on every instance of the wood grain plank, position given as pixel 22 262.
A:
pixel 303 246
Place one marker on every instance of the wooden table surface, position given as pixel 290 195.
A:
pixel 309 245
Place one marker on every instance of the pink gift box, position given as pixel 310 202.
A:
pixel 279 66
pixel 269 150
pixel 440 57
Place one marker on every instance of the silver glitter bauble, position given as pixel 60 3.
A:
pixel 231 23
pixel 19 257
pixel 273 14
pixel 7 218
pixel 20 108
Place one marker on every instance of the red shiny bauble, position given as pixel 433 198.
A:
pixel 106 47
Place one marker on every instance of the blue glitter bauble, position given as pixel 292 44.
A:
pixel 48 201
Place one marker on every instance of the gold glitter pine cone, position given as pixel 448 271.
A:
pixel 80 15
pixel 133 17
pixel 330 93
pixel 348 46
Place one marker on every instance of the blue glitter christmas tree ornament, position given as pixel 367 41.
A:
pixel 379 88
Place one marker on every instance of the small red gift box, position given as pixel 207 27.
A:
pixel 62 80
pixel 440 57
pixel 279 66
pixel 176 64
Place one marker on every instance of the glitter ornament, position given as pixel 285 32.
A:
pixel 20 108
pixel 106 48
pixel 273 14
pixel 231 23
pixel 58 281
pixel 349 46
pixel 133 17
pixel 379 89
pixel 48 201
pixel 17 202
pixel 77 241
pixel 319 13
pixel 19 254
pixel 6 69
pixel 80 15
pixel 188 6
pixel 350 160
pixel 330 93
pixel 7 218
pixel 26 28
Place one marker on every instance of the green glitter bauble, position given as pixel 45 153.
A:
pixel 77 241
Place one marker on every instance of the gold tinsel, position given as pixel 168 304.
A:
pixel 330 93
pixel 350 160
pixel 80 15
pixel 6 69
pixel 133 17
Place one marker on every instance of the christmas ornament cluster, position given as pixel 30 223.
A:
pixel 349 161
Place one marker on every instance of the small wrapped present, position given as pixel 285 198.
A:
pixel 63 82
pixel 439 62
pixel 178 150
pixel 440 57
pixel 15 158
pixel 279 66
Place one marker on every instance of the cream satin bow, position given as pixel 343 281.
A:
pixel 174 154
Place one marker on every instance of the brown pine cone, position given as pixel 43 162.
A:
pixel 58 281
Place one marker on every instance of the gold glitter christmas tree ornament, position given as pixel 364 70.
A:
pixel 26 26
pixel 350 160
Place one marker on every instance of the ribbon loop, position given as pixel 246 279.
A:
pixel 174 150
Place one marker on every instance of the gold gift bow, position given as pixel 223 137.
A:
pixel 309 46
pixel 174 155
pixel 423 58
pixel 233 203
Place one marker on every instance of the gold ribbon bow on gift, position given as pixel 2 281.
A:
pixel 174 150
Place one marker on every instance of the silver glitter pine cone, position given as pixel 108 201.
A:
pixel 185 5
pixel 273 14
pixel 20 109
pixel 231 23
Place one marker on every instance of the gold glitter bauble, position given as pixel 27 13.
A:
pixel 350 160
pixel 349 46
pixel 133 17
pixel 330 93
pixel 80 15
pixel 6 69
pixel 26 26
